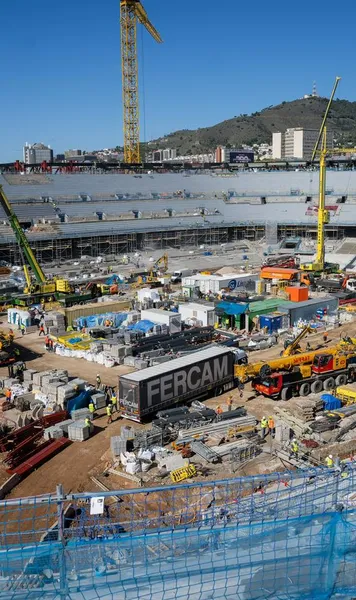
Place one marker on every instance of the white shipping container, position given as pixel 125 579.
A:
pixel 167 317
pixel 216 283
pixel 205 313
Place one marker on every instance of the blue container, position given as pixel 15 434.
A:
pixel 271 322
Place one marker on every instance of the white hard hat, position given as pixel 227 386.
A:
pixel 330 455
pixel 294 439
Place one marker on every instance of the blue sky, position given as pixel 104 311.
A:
pixel 61 79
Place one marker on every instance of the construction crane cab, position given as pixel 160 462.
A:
pixel 293 346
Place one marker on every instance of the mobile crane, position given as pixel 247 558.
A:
pixel 327 371
pixel 293 347
pixel 262 369
pixel 42 289
pixel 319 265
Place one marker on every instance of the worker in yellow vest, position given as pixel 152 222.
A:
pixel 329 461
pixel 87 422
pixel 109 413
pixel 91 408
pixel 294 448
pixel 114 402
pixel 264 427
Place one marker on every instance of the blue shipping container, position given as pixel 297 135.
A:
pixel 272 322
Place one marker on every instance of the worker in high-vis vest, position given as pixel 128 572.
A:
pixel 329 461
pixel 294 448
pixel 114 402
pixel 109 413
pixel 264 427
pixel 271 426
pixel 91 408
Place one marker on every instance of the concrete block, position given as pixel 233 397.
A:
pixel 9 382
pixel 78 431
pixel 80 414
pixel 99 400
pixel 129 361
pixel 79 383
pixel 29 374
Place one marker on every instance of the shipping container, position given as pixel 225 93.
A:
pixel 204 313
pixel 306 311
pixel 297 293
pixel 198 375
pixel 271 322
pixel 95 308
pixel 216 283
pixel 165 317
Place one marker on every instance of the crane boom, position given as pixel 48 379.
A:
pixel 132 11
pixel 21 238
pixel 245 373
pixel 323 215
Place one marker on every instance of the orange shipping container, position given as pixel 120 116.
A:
pixel 297 293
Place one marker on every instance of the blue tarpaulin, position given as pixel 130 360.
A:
pixel 232 308
pixel 330 402
pixel 144 326
pixel 102 320
pixel 113 279
pixel 80 401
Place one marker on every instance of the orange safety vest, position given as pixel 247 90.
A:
pixel 271 423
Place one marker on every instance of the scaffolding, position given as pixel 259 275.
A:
pixel 60 248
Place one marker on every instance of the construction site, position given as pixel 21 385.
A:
pixel 178 378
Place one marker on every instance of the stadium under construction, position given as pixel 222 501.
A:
pixel 67 216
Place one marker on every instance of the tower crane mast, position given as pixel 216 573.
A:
pixel 132 11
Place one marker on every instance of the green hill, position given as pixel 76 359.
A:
pixel 258 127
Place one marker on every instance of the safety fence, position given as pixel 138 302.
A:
pixel 280 536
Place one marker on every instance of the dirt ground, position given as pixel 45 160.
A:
pixel 74 466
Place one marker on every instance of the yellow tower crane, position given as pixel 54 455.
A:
pixel 132 11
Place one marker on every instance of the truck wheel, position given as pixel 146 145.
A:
pixel 317 386
pixel 286 393
pixel 218 391
pixel 341 380
pixel 304 389
pixel 329 384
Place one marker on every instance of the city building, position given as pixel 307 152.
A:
pixel 297 143
pixel 34 154
pixel 73 153
pixel 234 155
pixel 162 155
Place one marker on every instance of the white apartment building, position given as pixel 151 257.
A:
pixel 297 143
pixel 35 154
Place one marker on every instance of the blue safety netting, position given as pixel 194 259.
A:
pixel 145 325
pixel 282 536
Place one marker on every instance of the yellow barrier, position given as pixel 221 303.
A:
pixel 183 473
